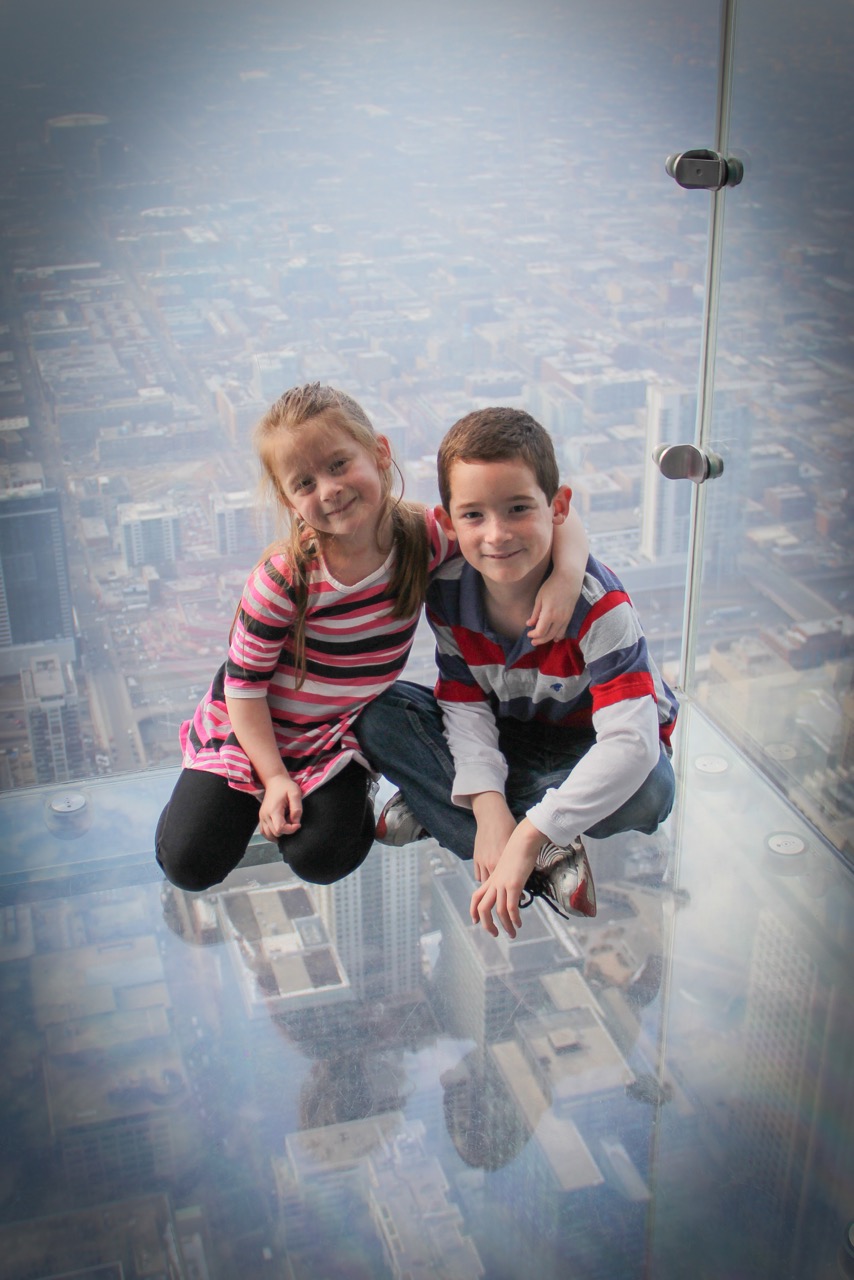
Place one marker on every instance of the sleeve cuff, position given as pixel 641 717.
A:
pixel 471 779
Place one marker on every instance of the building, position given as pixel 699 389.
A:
pixel 140 1236
pixel 372 917
pixel 376 1175
pixel 150 533
pixel 478 979
pixel 282 953
pixel 666 513
pixel 241 527
pixel 666 510
pixel 53 720
pixel 273 372
pixel 35 593
pixel 124 1127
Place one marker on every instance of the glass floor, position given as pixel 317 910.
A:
pixel 285 1081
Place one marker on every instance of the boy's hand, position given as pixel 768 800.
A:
pixel 495 826
pixel 281 808
pixel 503 889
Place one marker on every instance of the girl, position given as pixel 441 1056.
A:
pixel 325 624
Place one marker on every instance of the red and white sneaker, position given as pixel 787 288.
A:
pixel 562 878
pixel 397 824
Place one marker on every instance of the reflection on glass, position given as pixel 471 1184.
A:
pixel 226 1078
pixel 274 1077
pixel 758 1034
pixel 777 621
pixel 434 209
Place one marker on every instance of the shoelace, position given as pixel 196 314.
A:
pixel 535 888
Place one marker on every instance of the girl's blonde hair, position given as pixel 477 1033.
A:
pixel 298 406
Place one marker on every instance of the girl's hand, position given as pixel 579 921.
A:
pixel 551 614
pixel 558 595
pixel 281 808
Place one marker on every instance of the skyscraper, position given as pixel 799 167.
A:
pixel 373 918
pixel 151 533
pixel 35 594
pixel 666 516
pixel 241 529
pixel 53 720
pixel 671 413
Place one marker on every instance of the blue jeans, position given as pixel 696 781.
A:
pixel 401 733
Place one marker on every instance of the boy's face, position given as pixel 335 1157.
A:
pixel 502 520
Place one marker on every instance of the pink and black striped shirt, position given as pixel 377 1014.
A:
pixel 354 650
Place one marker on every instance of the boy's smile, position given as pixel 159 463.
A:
pixel 503 521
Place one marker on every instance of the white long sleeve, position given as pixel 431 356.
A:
pixel 472 735
pixel 625 752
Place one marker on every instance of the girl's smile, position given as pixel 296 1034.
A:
pixel 333 483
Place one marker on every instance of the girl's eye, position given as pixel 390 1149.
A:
pixel 338 464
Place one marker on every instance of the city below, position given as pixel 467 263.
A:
pixel 212 1085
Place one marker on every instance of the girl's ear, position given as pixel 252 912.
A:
pixel 561 503
pixel 384 459
pixel 445 523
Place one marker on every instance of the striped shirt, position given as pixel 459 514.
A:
pixel 354 650
pixel 598 681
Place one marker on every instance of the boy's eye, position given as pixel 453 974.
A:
pixel 518 506
pixel 471 515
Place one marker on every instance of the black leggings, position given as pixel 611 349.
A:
pixel 205 828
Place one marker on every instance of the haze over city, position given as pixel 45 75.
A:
pixel 202 204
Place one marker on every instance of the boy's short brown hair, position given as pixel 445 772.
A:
pixel 498 435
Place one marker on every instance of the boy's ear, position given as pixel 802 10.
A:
pixel 561 503
pixel 445 523
pixel 383 453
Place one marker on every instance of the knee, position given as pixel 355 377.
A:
pixel 655 799
pixel 183 868
pixel 316 870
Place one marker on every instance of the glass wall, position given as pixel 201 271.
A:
pixel 434 208
pixel 775 621
pixel 205 205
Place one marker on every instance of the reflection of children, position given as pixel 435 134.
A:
pixel 325 624
pixel 545 743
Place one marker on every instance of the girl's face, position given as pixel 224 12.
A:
pixel 331 481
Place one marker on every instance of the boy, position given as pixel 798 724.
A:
pixel 542 743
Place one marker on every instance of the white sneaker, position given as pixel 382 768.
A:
pixel 397 824
pixel 562 878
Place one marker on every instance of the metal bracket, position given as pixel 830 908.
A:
pixel 704 170
pixel 687 462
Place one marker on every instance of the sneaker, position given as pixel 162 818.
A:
pixel 562 878
pixel 397 824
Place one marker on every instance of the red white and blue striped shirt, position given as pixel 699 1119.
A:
pixel 354 650
pixel 599 679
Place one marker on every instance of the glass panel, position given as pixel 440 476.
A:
pixel 776 626
pixel 275 1078
pixel 752 1168
pixel 433 209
